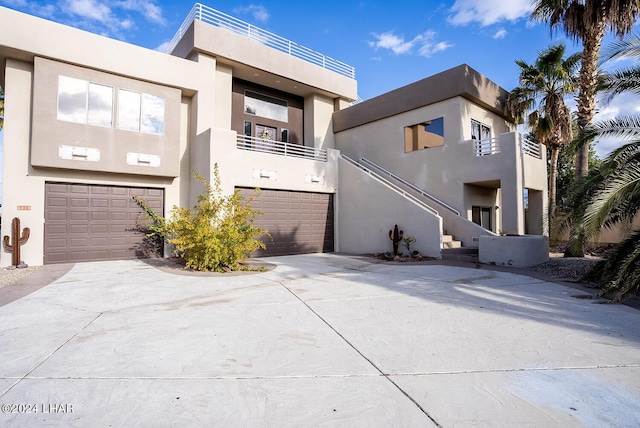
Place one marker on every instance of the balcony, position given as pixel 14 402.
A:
pixel 491 146
pixel 279 148
pixel 226 22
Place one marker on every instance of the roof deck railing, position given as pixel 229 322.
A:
pixel 221 20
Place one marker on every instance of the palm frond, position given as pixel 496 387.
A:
pixel 627 47
pixel 619 187
pixel 620 81
pixel 619 273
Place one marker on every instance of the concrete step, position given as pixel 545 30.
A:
pixel 448 241
pixel 451 244
pixel 461 254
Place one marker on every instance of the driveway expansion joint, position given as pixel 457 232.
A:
pixel 405 393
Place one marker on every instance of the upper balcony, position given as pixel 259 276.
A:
pixel 253 51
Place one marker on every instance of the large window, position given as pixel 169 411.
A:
pixel 80 101
pixel 140 112
pixel 89 103
pixel 266 106
pixel 429 133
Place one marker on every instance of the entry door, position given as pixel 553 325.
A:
pixel 482 216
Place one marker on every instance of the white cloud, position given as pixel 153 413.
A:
pixel 398 45
pixel 89 9
pixel 163 47
pixel 488 12
pixel 15 3
pixel 427 49
pixel 500 34
pixel 151 11
pixel 258 12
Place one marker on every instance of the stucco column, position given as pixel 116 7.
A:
pixel 23 194
pixel 318 125
pixel 512 187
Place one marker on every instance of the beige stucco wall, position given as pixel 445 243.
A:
pixel 113 144
pixel 29 36
pixel 318 132
pixel 24 185
pixel 439 170
pixel 241 168
pixel 443 171
pixel 241 52
pixel 367 210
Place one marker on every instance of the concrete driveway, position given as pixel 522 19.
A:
pixel 321 340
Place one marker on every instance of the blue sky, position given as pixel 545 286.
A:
pixel 390 44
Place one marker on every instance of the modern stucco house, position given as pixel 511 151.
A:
pixel 91 121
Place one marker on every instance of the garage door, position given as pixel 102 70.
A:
pixel 299 222
pixel 89 223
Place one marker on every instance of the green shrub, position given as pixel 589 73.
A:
pixel 215 235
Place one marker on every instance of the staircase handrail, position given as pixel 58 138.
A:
pixel 410 185
pixel 391 185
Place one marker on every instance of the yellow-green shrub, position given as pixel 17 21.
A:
pixel 215 235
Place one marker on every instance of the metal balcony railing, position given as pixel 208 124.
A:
pixel 221 20
pixel 491 146
pixel 531 148
pixel 279 148
pixel 486 147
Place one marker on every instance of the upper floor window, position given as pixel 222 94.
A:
pixel 80 101
pixel 140 112
pixel 85 102
pixel 266 106
pixel 429 133
pixel 480 131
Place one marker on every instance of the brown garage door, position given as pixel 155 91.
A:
pixel 89 223
pixel 299 222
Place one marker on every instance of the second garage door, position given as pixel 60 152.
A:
pixel 86 222
pixel 299 222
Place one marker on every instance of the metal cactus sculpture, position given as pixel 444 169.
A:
pixel 16 240
pixel 395 237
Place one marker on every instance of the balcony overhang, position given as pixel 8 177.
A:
pixel 255 62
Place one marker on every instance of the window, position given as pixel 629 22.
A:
pixel 80 101
pixel 284 135
pixel 140 112
pixel 266 106
pixel 427 134
pixel 481 216
pixel 481 133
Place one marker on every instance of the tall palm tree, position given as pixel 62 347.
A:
pixel 587 21
pixel 540 99
pixel 610 197
pixel 610 194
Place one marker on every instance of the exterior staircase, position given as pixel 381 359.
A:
pixel 454 251
pixel 448 242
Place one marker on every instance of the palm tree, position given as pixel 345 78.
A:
pixel 587 21
pixel 540 97
pixel 610 194
pixel 610 197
